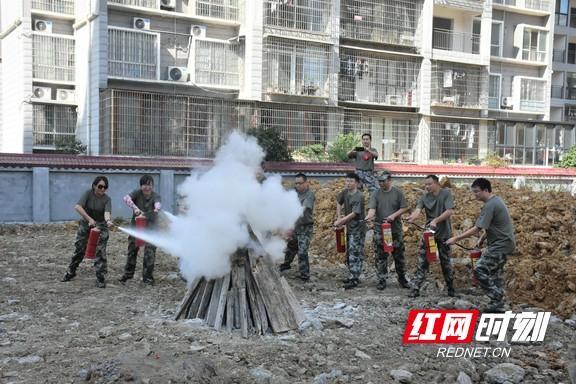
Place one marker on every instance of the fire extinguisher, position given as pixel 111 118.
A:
pixel 474 254
pixel 340 240
pixel 93 238
pixel 140 224
pixel 387 242
pixel 430 246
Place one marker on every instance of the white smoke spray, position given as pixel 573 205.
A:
pixel 221 203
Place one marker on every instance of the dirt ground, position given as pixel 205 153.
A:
pixel 53 332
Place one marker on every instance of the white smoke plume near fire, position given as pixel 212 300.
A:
pixel 221 202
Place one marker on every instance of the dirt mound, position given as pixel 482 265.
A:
pixel 541 272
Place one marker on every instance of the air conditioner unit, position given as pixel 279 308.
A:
pixel 178 74
pixel 507 102
pixel 198 31
pixel 171 4
pixel 42 93
pixel 393 99
pixel 141 23
pixel 68 95
pixel 43 26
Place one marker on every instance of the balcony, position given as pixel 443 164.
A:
pixel 52 57
pixel 153 4
pixel 536 5
pixel 55 6
pixel 534 55
pixel 53 125
pixel 457 86
pixel 218 9
pixel 216 63
pixel 133 54
pixel 559 55
pixel 467 5
pixel 456 41
pixel 298 15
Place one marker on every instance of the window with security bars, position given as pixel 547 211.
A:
pixel 453 142
pixel 534 45
pixel 56 6
pixel 370 78
pixel 302 15
pixel 533 95
pixel 216 63
pixel 383 21
pixel 296 68
pixel 138 3
pixel 52 57
pixel 457 85
pixel 132 54
pixel 219 9
pixel 533 144
pixel 53 125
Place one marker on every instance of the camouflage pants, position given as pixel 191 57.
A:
pixel 488 271
pixel 382 257
pixel 299 244
pixel 100 263
pixel 423 264
pixel 147 263
pixel 355 250
pixel 367 178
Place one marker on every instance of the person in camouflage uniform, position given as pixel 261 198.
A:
pixel 146 202
pixel 364 161
pixel 95 208
pixel 387 205
pixel 495 220
pixel 439 206
pixel 303 229
pixel 351 201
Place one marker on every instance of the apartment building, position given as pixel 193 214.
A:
pixel 433 81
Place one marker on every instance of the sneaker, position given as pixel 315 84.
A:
pixel 284 267
pixel 352 283
pixel 381 285
pixel 414 293
pixel 403 282
pixel 101 283
pixel 67 277
pixel 124 279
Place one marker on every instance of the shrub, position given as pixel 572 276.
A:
pixel 313 152
pixel 69 145
pixel 271 140
pixel 338 150
pixel 569 158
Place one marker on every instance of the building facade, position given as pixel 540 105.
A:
pixel 433 81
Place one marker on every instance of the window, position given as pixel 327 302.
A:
pixel 303 15
pixel 216 63
pixel 52 57
pixel 494 91
pixel 532 95
pixel 456 85
pixel 133 54
pixel 453 142
pixel 496 38
pixel 220 9
pixel 534 45
pixel 562 12
pixel 53 125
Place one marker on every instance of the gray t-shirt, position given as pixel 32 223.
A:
pixel 434 207
pixel 352 202
pixel 496 220
pixel 364 160
pixel 95 206
pixel 386 203
pixel 145 204
pixel 307 199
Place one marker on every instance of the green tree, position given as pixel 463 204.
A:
pixel 271 140
pixel 69 145
pixel 312 152
pixel 338 150
pixel 569 158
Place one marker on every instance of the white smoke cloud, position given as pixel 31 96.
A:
pixel 221 202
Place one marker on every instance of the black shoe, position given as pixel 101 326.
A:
pixel 148 282
pixel 381 285
pixel 352 283
pixel 304 278
pixel 414 293
pixel 451 292
pixel 124 279
pixel 284 267
pixel 346 280
pixel 101 283
pixel 68 276
pixel 404 283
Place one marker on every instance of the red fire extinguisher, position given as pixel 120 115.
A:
pixel 340 240
pixel 474 254
pixel 387 242
pixel 93 238
pixel 430 246
pixel 140 224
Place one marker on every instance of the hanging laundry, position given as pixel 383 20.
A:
pixel 448 78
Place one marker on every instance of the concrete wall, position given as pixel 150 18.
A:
pixel 43 195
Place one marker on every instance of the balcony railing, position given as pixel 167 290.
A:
pixel 533 55
pixel 56 6
pixel 570 113
pixel 557 91
pixel 132 54
pixel 532 106
pixel 457 86
pixel 494 102
pixel 226 10
pixel 298 15
pixel 137 3
pixel 52 57
pixel 538 5
pixel 558 55
pixel 456 41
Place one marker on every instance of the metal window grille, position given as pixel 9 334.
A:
pixel 132 54
pixel 220 9
pixel 56 6
pixel 216 63
pixel 456 85
pixel 302 15
pixel 53 124
pixel 380 79
pixel 52 57
pixel 453 142
pixel 138 3
pixel 533 95
pixel 296 68
pixel 383 21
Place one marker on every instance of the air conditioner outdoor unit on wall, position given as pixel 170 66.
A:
pixel 43 26
pixel 171 4
pixel 141 23
pixel 178 74
pixel 507 102
pixel 42 93
pixel 198 31
pixel 68 95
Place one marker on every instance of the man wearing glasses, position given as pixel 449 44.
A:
pixel 303 229
pixel 95 208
